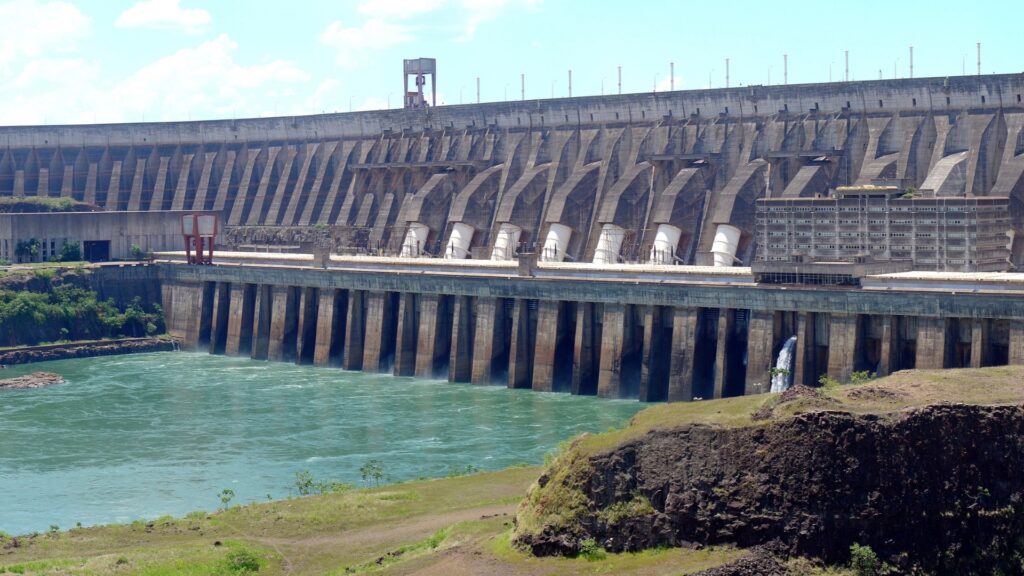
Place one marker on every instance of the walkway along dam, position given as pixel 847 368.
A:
pixel 604 245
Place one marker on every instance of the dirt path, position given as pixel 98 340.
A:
pixel 298 551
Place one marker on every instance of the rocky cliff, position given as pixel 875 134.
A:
pixel 938 489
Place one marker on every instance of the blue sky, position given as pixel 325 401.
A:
pixel 127 61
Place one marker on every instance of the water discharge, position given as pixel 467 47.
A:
pixel 141 436
pixel 782 379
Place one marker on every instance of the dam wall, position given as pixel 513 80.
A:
pixel 654 333
pixel 694 160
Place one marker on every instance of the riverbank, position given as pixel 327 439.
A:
pixel 452 526
pixel 464 524
pixel 66 350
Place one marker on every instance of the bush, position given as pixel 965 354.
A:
pixel 137 253
pixel 864 561
pixel 242 561
pixel 861 377
pixel 591 551
pixel 827 382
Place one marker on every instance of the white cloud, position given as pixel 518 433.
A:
pixel 665 83
pixel 325 98
pixel 29 29
pixel 164 14
pixel 398 8
pixel 203 81
pixel 352 43
pixel 203 78
pixel 393 22
pixel 477 12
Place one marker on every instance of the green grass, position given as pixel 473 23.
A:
pixel 912 388
pixel 653 561
pixel 312 535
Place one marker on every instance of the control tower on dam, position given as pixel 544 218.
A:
pixel 610 179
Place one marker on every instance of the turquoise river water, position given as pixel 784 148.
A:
pixel 130 437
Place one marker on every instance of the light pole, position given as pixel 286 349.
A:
pixel 506 93
pixel 349 103
pixel 389 100
pixel 602 86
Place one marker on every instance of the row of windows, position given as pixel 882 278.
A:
pixel 878 208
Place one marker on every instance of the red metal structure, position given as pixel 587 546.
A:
pixel 199 230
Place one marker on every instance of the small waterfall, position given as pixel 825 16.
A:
pixel 782 381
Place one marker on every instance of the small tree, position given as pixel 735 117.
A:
pixel 304 482
pixel 27 249
pixel 372 470
pixel 137 253
pixel 226 495
pixel 70 251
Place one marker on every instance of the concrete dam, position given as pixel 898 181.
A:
pixel 598 245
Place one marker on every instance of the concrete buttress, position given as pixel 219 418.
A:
pixel 931 343
pixel 760 351
pixel 684 335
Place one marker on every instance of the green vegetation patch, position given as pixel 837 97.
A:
pixel 34 204
pixel 557 499
pixel 622 511
pixel 68 312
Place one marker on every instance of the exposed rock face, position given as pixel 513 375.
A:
pixel 939 488
pixel 33 380
pixel 85 350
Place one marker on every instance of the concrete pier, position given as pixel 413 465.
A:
pixel 623 336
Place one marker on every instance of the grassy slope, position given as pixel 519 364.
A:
pixel 560 503
pixel 451 526
pixel 910 388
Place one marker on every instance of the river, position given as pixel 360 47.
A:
pixel 141 436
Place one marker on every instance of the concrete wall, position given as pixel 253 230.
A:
pixel 150 231
pixel 693 159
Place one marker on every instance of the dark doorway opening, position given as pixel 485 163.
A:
pixel 96 250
